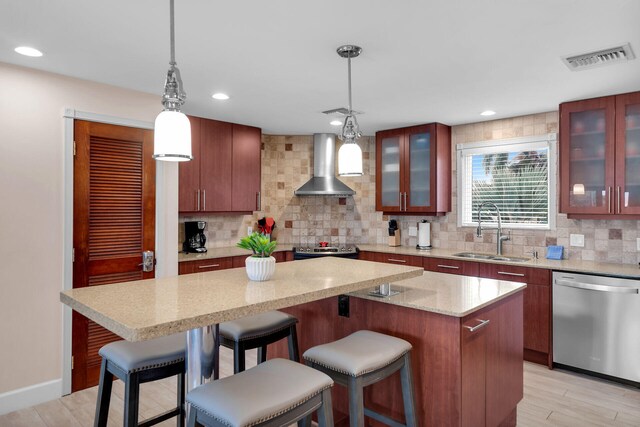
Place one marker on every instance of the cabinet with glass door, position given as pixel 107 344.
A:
pixel 414 170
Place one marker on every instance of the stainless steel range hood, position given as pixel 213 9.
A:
pixel 324 181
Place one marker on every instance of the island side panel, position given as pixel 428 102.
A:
pixel 435 357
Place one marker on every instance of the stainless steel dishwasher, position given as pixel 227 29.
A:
pixel 596 324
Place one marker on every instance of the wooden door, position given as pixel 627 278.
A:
pixel 420 169
pixel 245 178
pixel 189 173
pixel 113 223
pixel 587 156
pixel 215 166
pixel 473 346
pixel 627 198
pixel 389 181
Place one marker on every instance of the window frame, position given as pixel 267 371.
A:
pixel 508 145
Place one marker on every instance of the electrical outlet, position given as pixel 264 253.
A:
pixel 249 230
pixel 343 305
pixel 413 231
pixel 638 243
pixel 576 240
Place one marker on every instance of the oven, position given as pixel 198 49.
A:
pixel 302 252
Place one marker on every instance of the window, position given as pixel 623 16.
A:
pixel 518 175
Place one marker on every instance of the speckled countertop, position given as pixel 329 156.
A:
pixel 151 308
pixel 225 252
pixel 447 294
pixel 628 270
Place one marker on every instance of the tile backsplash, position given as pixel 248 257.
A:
pixel 287 163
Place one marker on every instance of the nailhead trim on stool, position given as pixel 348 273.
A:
pixel 257 332
pixel 136 363
pixel 361 359
pixel 275 393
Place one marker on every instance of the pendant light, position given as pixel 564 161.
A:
pixel 350 154
pixel 172 136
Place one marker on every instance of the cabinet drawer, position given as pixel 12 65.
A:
pixel 204 265
pixel 451 266
pixel 515 273
pixel 412 260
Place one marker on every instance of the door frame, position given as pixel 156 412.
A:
pixel 166 220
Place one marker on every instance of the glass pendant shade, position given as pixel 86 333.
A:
pixel 172 137
pixel 350 160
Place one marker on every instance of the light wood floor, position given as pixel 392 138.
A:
pixel 551 398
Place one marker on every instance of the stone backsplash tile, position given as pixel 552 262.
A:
pixel 287 163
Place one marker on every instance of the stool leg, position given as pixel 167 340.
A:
pixel 131 400
pixel 180 398
pixel 192 417
pixel 292 341
pixel 356 402
pixel 104 396
pixel 238 357
pixel 325 413
pixel 407 392
pixel 262 354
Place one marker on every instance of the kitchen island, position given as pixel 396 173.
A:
pixel 196 303
pixel 467 356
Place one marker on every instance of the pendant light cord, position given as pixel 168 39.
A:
pixel 349 67
pixel 172 34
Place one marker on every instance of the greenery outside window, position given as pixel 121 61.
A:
pixel 518 175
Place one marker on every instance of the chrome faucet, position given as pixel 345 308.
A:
pixel 500 237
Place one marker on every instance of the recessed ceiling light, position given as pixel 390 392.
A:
pixel 488 113
pixel 221 96
pixel 336 123
pixel 28 51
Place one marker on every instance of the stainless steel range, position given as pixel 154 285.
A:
pixel 305 252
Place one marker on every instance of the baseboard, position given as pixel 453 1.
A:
pixel 29 396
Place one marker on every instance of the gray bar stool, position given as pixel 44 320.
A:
pixel 361 359
pixel 275 393
pixel 136 363
pixel 258 331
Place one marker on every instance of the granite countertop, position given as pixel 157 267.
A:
pixel 225 252
pixel 146 309
pixel 594 267
pixel 447 294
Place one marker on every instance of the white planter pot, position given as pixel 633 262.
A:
pixel 260 269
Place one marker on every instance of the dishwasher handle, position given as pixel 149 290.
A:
pixel 601 288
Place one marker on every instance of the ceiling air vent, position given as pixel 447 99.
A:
pixel 599 58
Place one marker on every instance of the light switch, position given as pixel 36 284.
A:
pixel 576 240
pixel 413 232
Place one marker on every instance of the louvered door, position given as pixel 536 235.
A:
pixel 114 222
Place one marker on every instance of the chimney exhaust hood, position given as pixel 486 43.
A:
pixel 324 181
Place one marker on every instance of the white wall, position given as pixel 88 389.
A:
pixel 32 211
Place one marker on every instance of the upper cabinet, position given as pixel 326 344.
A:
pixel 413 170
pixel 224 175
pixel 600 157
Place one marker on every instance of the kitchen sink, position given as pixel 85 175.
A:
pixel 475 255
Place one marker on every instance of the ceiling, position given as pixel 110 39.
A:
pixel 422 61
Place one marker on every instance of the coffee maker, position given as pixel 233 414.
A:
pixel 194 238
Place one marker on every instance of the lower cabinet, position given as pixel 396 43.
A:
pixel 412 260
pixel 212 264
pixel 451 266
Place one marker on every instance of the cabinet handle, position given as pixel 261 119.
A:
pixel 618 198
pixel 482 324
pixel 405 201
pixel 400 199
pixel 209 266
pixel 198 201
pixel 204 200
pixel 609 200
pixel 396 260
pixel 453 267
pixel 258 200
pixel 506 273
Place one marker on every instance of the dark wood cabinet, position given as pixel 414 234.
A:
pixel 412 260
pixel 224 175
pixel 451 266
pixel 413 170
pixel 212 264
pixel 600 156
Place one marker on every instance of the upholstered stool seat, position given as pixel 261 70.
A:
pixel 361 359
pixel 257 332
pixel 136 363
pixel 275 393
